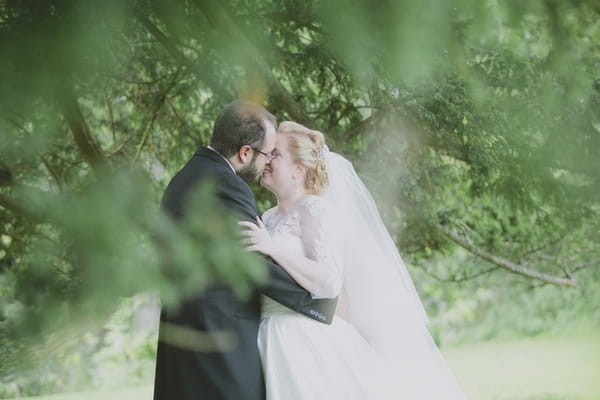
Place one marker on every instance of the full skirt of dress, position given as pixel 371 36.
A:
pixel 304 359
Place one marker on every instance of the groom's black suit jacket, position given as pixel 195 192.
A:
pixel 186 374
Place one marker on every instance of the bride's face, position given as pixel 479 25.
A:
pixel 279 173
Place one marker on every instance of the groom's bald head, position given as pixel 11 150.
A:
pixel 240 123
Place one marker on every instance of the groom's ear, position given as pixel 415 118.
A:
pixel 244 154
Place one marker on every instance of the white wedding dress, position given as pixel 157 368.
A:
pixel 381 348
pixel 304 359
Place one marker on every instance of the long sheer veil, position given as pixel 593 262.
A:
pixel 383 303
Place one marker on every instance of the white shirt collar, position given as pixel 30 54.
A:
pixel 231 166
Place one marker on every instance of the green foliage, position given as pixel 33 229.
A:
pixel 498 307
pixel 108 241
pixel 94 247
pixel 477 118
pixel 118 353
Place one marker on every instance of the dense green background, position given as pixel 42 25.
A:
pixel 474 123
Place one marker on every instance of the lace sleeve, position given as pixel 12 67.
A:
pixel 323 244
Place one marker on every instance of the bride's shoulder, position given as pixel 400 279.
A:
pixel 269 212
pixel 315 204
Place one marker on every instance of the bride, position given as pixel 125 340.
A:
pixel 327 234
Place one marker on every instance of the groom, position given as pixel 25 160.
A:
pixel 242 140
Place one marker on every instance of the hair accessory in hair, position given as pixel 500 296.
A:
pixel 322 151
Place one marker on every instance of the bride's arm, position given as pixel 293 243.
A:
pixel 320 271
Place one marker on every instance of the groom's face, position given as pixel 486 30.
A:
pixel 252 171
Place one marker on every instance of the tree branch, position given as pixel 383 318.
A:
pixel 462 278
pixel 585 265
pixel 218 17
pixel 6 178
pixel 202 71
pixel 363 125
pixel 161 102
pixel 594 5
pixel 504 263
pixel 52 172
pixel 6 202
pixel 111 116
pixel 86 143
pixel 538 249
pixel 12 206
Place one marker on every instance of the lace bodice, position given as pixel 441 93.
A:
pixel 310 230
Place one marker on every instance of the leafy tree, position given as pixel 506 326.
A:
pixel 474 123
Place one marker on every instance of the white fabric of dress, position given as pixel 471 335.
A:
pixel 304 359
pixel 383 349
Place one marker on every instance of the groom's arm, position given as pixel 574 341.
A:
pixel 281 287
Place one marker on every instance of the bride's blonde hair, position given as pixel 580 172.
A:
pixel 306 147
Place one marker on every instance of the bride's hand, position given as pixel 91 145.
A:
pixel 258 237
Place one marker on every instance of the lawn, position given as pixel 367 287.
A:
pixel 139 393
pixel 543 368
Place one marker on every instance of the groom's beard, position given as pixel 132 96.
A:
pixel 249 173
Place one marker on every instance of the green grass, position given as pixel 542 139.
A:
pixel 542 368
pixel 140 393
